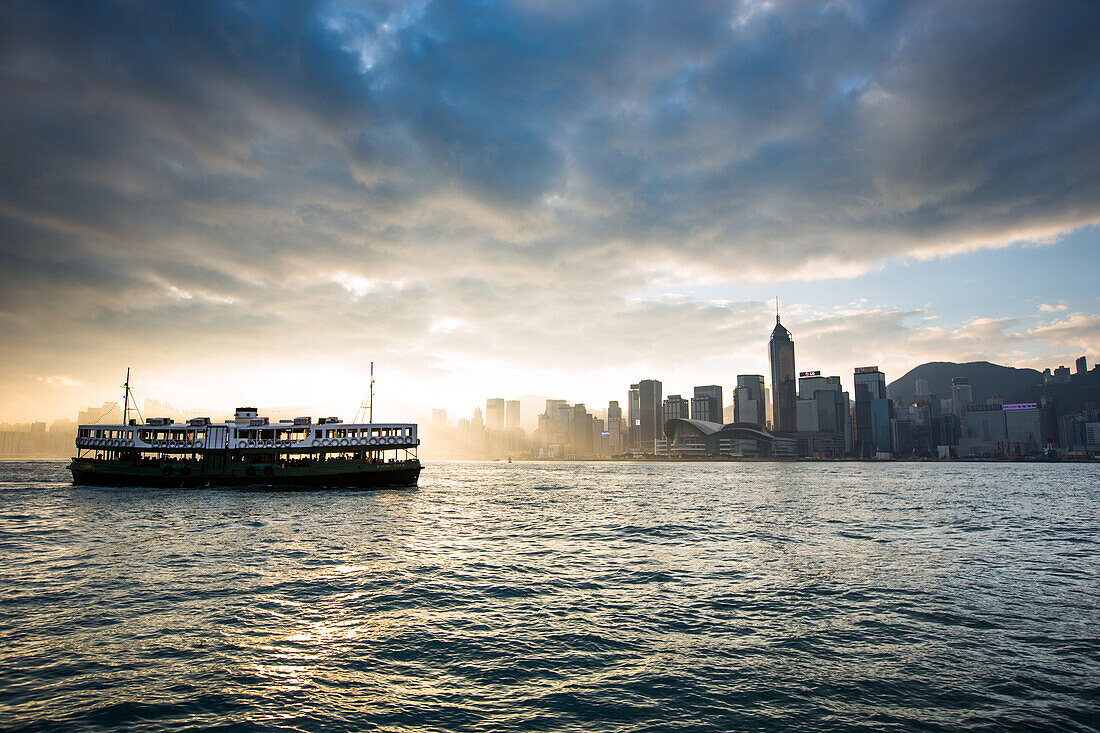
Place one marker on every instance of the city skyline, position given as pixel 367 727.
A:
pixel 955 421
pixel 482 198
pixel 820 419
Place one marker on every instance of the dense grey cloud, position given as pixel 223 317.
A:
pixel 472 177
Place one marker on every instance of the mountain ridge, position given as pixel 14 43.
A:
pixel 986 380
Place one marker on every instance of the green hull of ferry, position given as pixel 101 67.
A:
pixel 342 473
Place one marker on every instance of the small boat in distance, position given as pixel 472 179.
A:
pixel 248 450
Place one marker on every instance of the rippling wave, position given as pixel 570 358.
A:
pixel 559 596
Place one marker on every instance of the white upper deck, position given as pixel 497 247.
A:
pixel 248 430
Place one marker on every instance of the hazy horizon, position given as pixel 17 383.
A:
pixel 247 204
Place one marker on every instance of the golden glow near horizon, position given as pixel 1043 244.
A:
pixel 409 388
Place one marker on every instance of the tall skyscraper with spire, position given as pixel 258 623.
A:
pixel 781 356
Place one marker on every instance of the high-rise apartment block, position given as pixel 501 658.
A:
pixel 582 430
pixel 674 407
pixel 706 403
pixel 1024 428
pixel 810 383
pixel 985 425
pixel 494 413
pixel 750 403
pixel 644 412
pixel 961 396
pixel 439 426
pixel 614 428
pixel 511 415
pixel 823 411
pixel 873 412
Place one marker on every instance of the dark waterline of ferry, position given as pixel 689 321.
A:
pixel 559 596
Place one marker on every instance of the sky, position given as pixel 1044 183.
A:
pixel 248 202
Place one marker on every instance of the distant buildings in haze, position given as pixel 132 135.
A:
pixel 494 413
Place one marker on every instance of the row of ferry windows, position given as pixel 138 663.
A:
pixel 147 435
pixel 261 434
pixel 364 433
pixel 111 434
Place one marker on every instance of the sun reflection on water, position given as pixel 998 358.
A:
pixel 555 596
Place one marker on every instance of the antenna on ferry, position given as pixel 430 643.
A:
pixel 368 407
pixel 126 399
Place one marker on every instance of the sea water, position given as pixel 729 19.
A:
pixel 559 596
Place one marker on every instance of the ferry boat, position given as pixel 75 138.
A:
pixel 248 450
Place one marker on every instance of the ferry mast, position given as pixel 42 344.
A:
pixel 126 399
